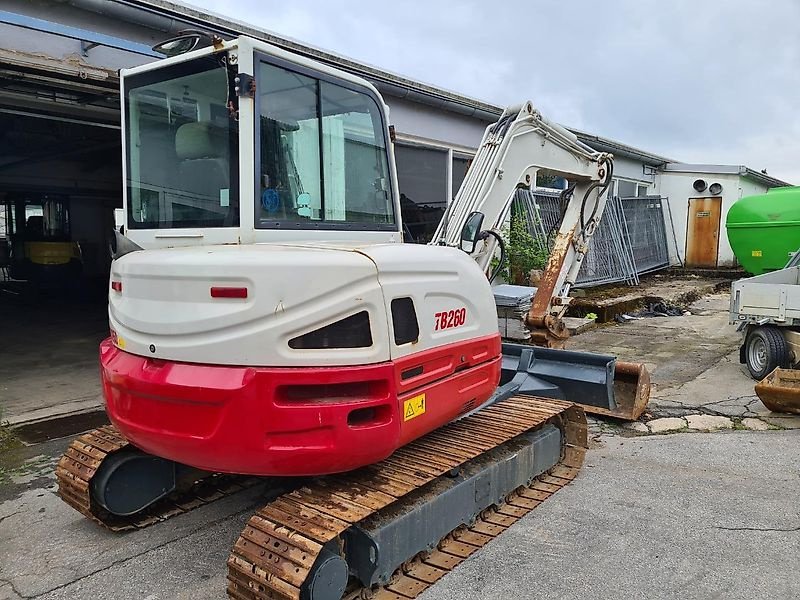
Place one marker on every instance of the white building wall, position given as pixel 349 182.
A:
pixel 677 187
pixel 633 170
pixel 425 124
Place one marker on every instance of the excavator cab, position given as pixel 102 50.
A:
pixel 242 143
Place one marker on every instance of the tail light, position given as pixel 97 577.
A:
pixel 229 292
pixel 116 286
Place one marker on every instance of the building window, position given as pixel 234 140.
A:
pixel 626 189
pixel 641 190
pixel 422 178
pixel 460 166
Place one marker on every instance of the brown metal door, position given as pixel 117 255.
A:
pixel 702 232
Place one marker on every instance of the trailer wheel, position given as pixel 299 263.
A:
pixel 765 350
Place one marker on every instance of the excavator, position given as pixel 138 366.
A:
pixel 268 324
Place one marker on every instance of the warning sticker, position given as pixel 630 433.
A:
pixel 756 253
pixel 413 407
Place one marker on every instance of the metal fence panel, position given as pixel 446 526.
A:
pixel 648 232
pixel 630 240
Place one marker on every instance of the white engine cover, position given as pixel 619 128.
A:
pixel 165 309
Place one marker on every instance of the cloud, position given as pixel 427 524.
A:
pixel 711 82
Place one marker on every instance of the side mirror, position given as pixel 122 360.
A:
pixel 471 232
pixel 121 245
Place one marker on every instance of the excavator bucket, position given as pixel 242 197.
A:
pixel 780 391
pixel 598 383
pixel 631 392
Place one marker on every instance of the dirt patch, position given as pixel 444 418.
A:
pixel 609 301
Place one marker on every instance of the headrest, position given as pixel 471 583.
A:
pixel 201 140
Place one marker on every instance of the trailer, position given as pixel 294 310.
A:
pixel 766 309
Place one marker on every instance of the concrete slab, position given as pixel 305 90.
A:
pixel 675 349
pixel 783 421
pixel 48 360
pixel 755 424
pixel 653 517
pixel 666 424
pixel 578 325
pixel 708 422
pixel 648 517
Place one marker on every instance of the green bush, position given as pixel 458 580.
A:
pixel 523 252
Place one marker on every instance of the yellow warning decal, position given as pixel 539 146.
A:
pixel 413 407
pixel 120 343
pixel 756 252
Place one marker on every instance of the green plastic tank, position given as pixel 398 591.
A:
pixel 764 230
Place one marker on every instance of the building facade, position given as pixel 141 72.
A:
pixel 59 121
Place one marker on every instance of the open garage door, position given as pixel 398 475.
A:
pixel 60 182
pixel 60 173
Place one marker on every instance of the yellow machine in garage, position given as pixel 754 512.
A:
pixel 42 251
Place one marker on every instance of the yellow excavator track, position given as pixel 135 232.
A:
pixel 275 555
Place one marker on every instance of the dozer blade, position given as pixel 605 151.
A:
pixel 392 529
pixel 599 383
pixel 780 391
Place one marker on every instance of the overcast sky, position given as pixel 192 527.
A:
pixel 707 81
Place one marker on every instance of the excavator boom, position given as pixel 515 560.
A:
pixel 510 156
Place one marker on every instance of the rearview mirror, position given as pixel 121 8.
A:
pixel 121 245
pixel 471 232
pixel 185 41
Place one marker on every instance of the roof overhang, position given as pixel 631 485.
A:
pixel 619 149
pixel 390 84
pixel 738 170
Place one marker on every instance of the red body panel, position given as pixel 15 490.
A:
pixel 291 421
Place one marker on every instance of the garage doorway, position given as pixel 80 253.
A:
pixel 702 232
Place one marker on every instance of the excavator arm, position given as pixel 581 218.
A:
pixel 512 152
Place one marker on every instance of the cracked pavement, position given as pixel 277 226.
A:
pixel 693 362
pixel 652 516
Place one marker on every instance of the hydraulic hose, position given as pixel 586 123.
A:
pixel 597 184
pixel 502 245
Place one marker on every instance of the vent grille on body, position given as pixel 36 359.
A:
pixel 404 321
pixel 351 332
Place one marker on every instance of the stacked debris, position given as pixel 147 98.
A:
pixel 513 303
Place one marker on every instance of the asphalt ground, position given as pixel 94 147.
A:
pixel 691 515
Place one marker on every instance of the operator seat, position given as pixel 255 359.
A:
pixel 203 150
